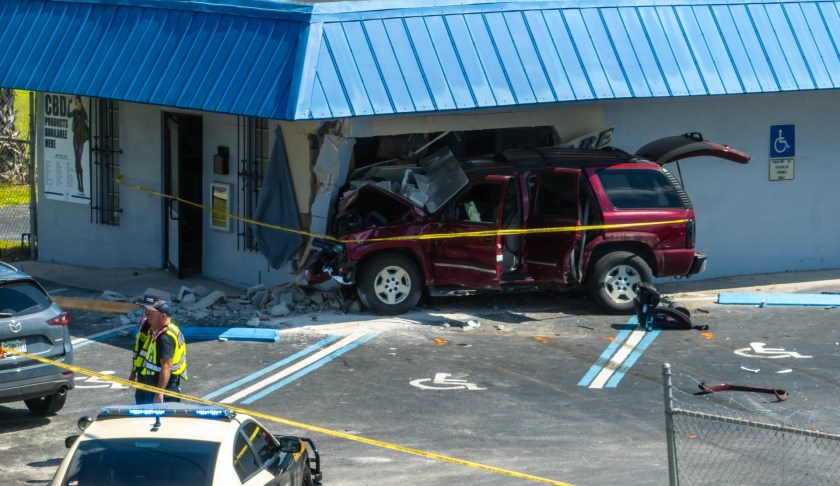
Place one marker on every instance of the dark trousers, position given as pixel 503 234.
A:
pixel 142 397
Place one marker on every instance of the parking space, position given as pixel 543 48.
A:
pixel 514 393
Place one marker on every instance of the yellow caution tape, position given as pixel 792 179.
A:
pixel 432 236
pixel 217 212
pixel 291 423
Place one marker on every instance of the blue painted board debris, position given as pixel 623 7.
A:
pixel 231 334
pixel 761 298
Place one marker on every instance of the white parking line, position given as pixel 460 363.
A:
pixel 294 368
pixel 615 362
pixel 79 342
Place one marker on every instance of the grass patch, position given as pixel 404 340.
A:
pixel 11 195
pixel 11 251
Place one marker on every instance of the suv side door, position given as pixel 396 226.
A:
pixel 554 198
pixel 471 261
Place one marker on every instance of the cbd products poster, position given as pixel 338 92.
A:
pixel 66 136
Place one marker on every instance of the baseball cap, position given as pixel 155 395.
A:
pixel 153 303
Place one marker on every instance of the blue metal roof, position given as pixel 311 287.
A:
pixel 454 58
pixel 189 59
pixel 315 60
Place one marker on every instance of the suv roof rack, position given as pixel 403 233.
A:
pixel 543 156
pixel 167 409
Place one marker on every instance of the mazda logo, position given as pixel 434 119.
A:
pixel 14 326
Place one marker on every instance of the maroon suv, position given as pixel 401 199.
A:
pixel 546 218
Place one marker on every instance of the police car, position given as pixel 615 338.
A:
pixel 184 444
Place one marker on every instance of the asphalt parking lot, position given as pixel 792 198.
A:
pixel 532 390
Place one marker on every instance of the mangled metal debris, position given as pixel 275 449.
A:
pixel 780 395
pixel 394 192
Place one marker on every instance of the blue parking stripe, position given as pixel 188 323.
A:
pixel 285 361
pixel 84 341
pixel 605 356
pixel 631 360
pixel 314 366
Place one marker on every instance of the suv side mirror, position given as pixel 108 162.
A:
pixel 290 445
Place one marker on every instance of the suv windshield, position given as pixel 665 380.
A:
pixel 150 462
pixel 639 189
pixel 22 298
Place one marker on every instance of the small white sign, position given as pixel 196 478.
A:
pixel 782 169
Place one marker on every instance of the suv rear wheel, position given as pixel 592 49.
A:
pixel 389 284
pixel 615 279
pixel 47 405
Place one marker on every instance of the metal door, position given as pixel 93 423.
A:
pixel 172 165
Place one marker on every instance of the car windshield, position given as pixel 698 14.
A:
pixel 22 298
pixel 150 462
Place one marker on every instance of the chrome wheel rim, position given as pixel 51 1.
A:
pixel 621 283
pixel 392 285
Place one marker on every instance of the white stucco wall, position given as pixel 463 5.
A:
pixel 747 224
pixel 569 122
pixel 65 231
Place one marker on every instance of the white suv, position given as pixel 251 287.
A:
pixel 185 444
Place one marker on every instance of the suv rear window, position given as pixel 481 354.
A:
pixel 639 189
pixel 22 298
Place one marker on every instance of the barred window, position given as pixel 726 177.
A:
pixel 253 150
pixel 105 150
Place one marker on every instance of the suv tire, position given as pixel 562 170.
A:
pixel 47 405
pixel 389 284
pixel 615 279
pixel 307 476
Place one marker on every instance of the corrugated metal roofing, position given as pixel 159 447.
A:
pixel 188 59
pixel 319 60
pixel 467 58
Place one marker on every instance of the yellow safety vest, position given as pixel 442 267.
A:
pixel 141 345
pixel 151 366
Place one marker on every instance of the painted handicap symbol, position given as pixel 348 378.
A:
pixel 94 382
pixel 757 350
pixel 441 381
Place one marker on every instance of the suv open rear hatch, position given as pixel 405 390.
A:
pixel 671 149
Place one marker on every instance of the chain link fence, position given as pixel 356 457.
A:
pixel 16 180
pixel 743 441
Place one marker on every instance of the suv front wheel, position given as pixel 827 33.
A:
pixel 389 284
pixel 615 279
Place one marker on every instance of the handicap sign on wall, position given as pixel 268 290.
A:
pixel 782 141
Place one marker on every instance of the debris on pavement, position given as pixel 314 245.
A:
pixel 252 308
pixel 471 324
pixel 780 395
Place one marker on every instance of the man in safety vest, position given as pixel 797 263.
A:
pixel 165 362
pixel 141 347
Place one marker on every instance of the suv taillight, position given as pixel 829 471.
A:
pixel 60 320
pixel 690 234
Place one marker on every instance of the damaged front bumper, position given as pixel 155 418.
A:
pixel 327 267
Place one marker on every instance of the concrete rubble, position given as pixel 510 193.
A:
pixel 257 306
